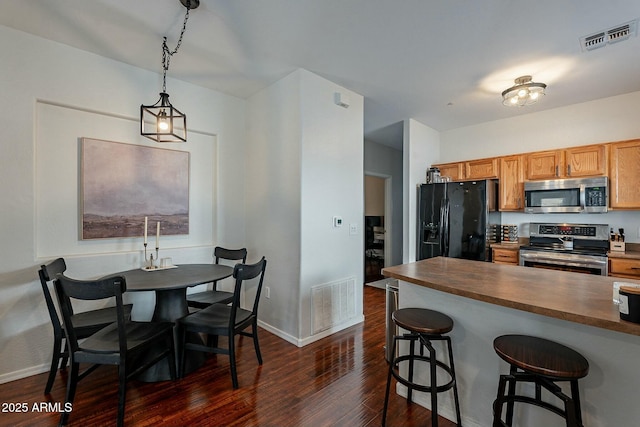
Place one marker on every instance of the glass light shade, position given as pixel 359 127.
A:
pixel 162 122
pixel 524 92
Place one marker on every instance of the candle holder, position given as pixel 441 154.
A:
pixel 150 262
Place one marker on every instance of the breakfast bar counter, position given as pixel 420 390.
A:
pixel 580 298
pixel 487 300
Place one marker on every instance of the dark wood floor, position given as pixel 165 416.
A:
pixel 337 381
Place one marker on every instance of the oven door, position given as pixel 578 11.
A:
pixel 590 264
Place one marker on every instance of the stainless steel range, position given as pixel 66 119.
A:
pixel 570 247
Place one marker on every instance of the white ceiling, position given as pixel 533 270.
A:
pixel 443 63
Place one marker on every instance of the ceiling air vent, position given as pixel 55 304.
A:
pixel 612 35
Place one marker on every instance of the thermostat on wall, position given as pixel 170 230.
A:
pixel 337 221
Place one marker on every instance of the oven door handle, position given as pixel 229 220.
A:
pixel 560 261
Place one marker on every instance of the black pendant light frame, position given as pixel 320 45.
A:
pixel 162 122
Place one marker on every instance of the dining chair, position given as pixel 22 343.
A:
pixel 86 323
pixel 226 320
pixel 118 344
pixel 214 296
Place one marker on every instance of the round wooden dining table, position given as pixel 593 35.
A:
pixel 170 287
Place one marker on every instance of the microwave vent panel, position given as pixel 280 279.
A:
pixel 613 35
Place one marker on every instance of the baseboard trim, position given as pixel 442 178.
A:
pixel 277 332
pixel 301 342
pixel 24 373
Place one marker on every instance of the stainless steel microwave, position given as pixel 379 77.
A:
pixel 587 195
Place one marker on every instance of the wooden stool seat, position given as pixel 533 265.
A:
pixel 542 363
pixel 423 321
pixel 425 326
pixel 541 356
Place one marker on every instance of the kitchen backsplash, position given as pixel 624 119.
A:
pixel 629 220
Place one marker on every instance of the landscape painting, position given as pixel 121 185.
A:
pixel 121 184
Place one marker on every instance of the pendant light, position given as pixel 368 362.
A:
pixel 162 122
pixel 524 92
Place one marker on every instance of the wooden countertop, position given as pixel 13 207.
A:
pixel 575 297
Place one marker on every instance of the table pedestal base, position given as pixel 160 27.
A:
pixel 171 305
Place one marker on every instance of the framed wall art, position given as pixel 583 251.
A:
pixel 121 184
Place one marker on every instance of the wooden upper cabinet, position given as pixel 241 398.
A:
pixel 482 169
pixel 544 164
pixel 624 175
pixel 511 183
pixel 455 171
pixel 590 160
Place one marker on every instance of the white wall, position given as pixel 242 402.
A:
pixel 54 94
pixel 273 192
pixel 600 121
pixel 305 167
pixel 332 184
pixel 421 148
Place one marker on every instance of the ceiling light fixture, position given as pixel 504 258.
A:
pixel 524 92
pixel 162 122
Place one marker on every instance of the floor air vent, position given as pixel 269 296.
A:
pixel 613 35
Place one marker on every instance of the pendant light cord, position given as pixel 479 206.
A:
pixel 167 54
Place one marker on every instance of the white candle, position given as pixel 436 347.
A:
pixel 158 234
pixel 145 230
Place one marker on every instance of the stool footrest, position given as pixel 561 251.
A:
pixel 419 387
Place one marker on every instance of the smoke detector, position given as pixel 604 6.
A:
pixel 612 35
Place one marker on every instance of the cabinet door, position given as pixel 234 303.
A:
pixel 511 183
pixel 624 174
pixel 505 256
pixel 622 267
pixel 455 171
pixel 544 164
pixel 586 161
pixel 482 169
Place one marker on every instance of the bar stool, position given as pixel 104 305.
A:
pixel 544 363
pixel 424 326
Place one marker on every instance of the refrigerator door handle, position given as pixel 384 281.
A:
pixel 441 229
pixel 446 228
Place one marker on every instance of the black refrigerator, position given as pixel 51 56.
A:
pixel 458 219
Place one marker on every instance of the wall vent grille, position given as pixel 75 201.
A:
pixel 612 35
pixel 332 304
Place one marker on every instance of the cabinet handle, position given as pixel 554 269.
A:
pixel 635 268
pixel 557 168
pixel 568 170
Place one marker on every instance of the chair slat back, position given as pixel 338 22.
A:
pixel 242 273
pixel 90 290
pixel 230 254
pixel 46 273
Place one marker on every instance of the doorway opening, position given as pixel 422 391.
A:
pixel 377 223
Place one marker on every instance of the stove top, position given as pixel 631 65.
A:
pixel 575 239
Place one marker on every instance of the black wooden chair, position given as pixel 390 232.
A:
pixel 85 324
pixel 116 344
pixel 214 296
pixel 227 320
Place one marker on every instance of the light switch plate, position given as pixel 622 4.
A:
pixel 337 221
pixel 353 229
